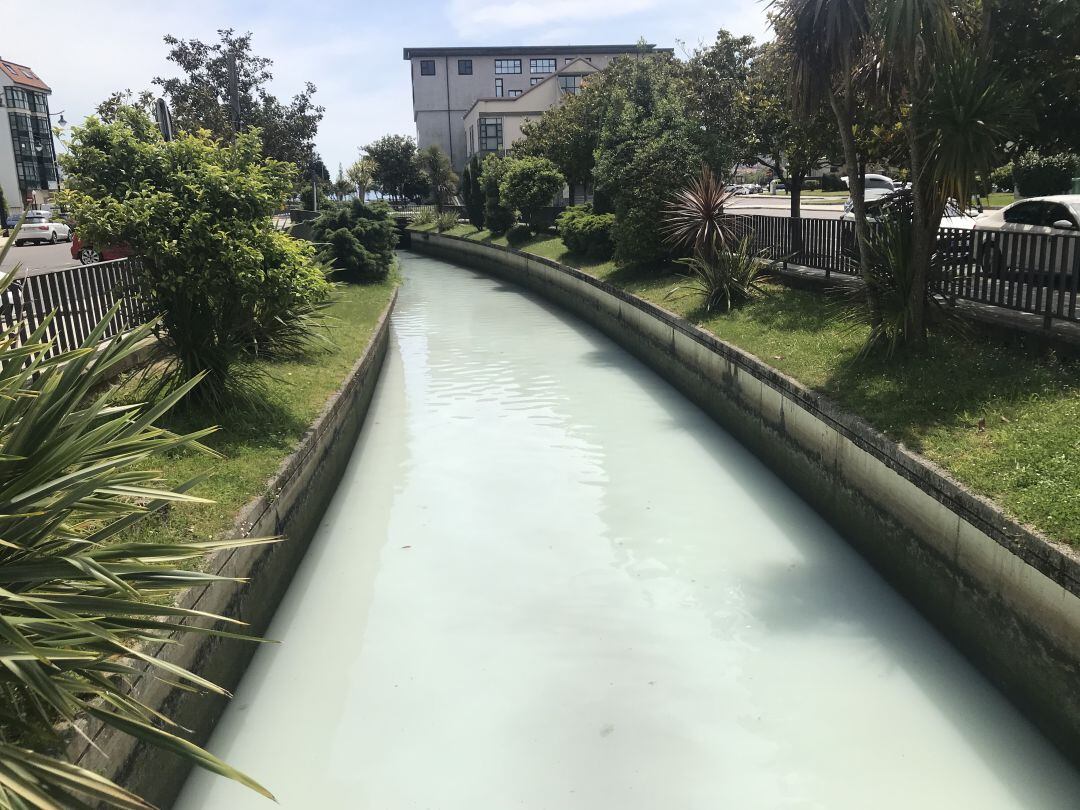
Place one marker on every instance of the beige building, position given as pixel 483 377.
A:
pixel 27 152
pixel 448 82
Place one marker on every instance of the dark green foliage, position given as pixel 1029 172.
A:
pixel 518 234
pixel 498 217
pixel 529 185
pixel 811 184
pixel 723 279
pixel 585 233
pixel 361 240
pixel 1001 178
pixel 472 193
pixel 396 168
pixel 832 182
pixel 1037 175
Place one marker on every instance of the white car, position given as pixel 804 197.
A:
pixel 998 250
pixel 952 217
pixel 876 187
pixel 39 227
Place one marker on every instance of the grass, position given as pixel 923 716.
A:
pixel 1000 416
pixel 999 199
pixel 253 446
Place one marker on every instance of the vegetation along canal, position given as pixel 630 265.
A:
pixel 548 581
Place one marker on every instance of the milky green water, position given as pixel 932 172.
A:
pixel 548 581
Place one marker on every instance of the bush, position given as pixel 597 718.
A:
pixel 812 184
pixel 529 185
pixel 724 278
pixel 472 193
pixel 361 240
pixel 446 221
pixel 1001 178
pixel 226 284
pixel 585 233
pixel 518 234
pixel 425 216
pixel 832 182
pixel 1038 175
pixel 498 217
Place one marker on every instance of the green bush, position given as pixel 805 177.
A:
pixel 529 185
pixel 1038 175
pixel 361 240
pixel 832 182
pixel 226 284
pixel 446 220
pixel 518 234
pixel 585 233
pixel 1001 178
pixel 812 184
pixel 425 216
pixel 498 216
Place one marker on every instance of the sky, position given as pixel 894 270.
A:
pixel 352 51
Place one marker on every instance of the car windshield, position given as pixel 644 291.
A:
pixel 36 219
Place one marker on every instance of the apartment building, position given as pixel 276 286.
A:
pixel 447 83
pixel 28 170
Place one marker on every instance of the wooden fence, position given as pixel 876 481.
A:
pixel 78 298
pixel 1033 273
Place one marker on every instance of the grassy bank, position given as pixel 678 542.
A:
pixel 1001 417
pixel 253 447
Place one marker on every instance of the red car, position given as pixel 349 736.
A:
pixel 88 254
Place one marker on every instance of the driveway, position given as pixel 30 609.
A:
pixel 38 257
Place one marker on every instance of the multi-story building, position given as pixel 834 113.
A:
pixel 27 151
pixel 447 83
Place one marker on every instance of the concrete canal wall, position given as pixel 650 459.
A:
pixel 1007 597
pixel 296 499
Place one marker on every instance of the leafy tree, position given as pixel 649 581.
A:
pixel 472 192
pixel 1037 175
pixel 360 239
pixel 529 185
pixel 108 109
pixel 440 175
pixel 567 135
pixel 396 171
pixel 649 144
pixel 717 79
pixel 200 99
pixel 224 282
pixel 360 174
pixel 498 216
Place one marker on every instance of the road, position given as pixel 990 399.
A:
pixel 38 257
pixel 781 207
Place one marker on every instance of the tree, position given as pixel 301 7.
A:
pixel 342 186
pixel 529 185
pixel 359 239
pixel 498 217
pixel 224 282
pixel 360 174
pixel 108 109
pixel 396 172
pixel 649 145
pixel 472 192
pixel 717 78
pixel 567 135
pixel 440 175
pixel 200 99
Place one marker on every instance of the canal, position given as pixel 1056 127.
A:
pixel 549 581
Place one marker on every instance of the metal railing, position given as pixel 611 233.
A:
pixel 1033 273
pixel 77 298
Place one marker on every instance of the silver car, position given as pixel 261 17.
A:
pixel 1017 237
pixel 39 227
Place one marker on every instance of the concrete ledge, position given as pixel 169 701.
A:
pixel 297 496
pixel 1004 594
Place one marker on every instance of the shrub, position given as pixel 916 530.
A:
pixel 723 279
pixel 811 184
pixel 1037 175
pixel 425 216
pixel 518 234
pixel 361 240
pixel 498 216
pixel 585 233
pixel 694 216
pixel 832 182
pixel 81 607
pixel 224 282
pixel 446 221
pixel 1001 178
pixel 529 185
pixel 472 193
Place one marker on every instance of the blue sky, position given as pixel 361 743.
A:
pixel 350 50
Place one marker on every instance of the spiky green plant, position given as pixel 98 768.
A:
pixel 723 279
pixel 695 217
pixel 79 605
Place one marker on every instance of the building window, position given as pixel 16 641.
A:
pixel 568 60
pixel 514 93
pixel 541 66
pixel 535 80
pixel 464 67
pixel 491 134
pixel 427 67
pixel 498 88
pixel 17 99
pixel 570 84
pixel 507 66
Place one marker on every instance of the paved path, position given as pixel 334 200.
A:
pixel 39 257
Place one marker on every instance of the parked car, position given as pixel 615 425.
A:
pixel 40 227
pixel 88 254
pixel 953 217
pixel 1007 232
pixel 877 186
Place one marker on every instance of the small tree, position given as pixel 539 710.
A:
pixel 498 217
pixel 472 193
pixel 440 174
pixel 396 171
pixel 360 174
pixel 225 283
pixel 359 239
pixel 529 185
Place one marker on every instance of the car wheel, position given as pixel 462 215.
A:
pixel 19 243
pixel 52 238
pixel 89 256
pixel 70 236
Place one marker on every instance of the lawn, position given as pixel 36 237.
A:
pixel 253 446
pixel 1001 416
